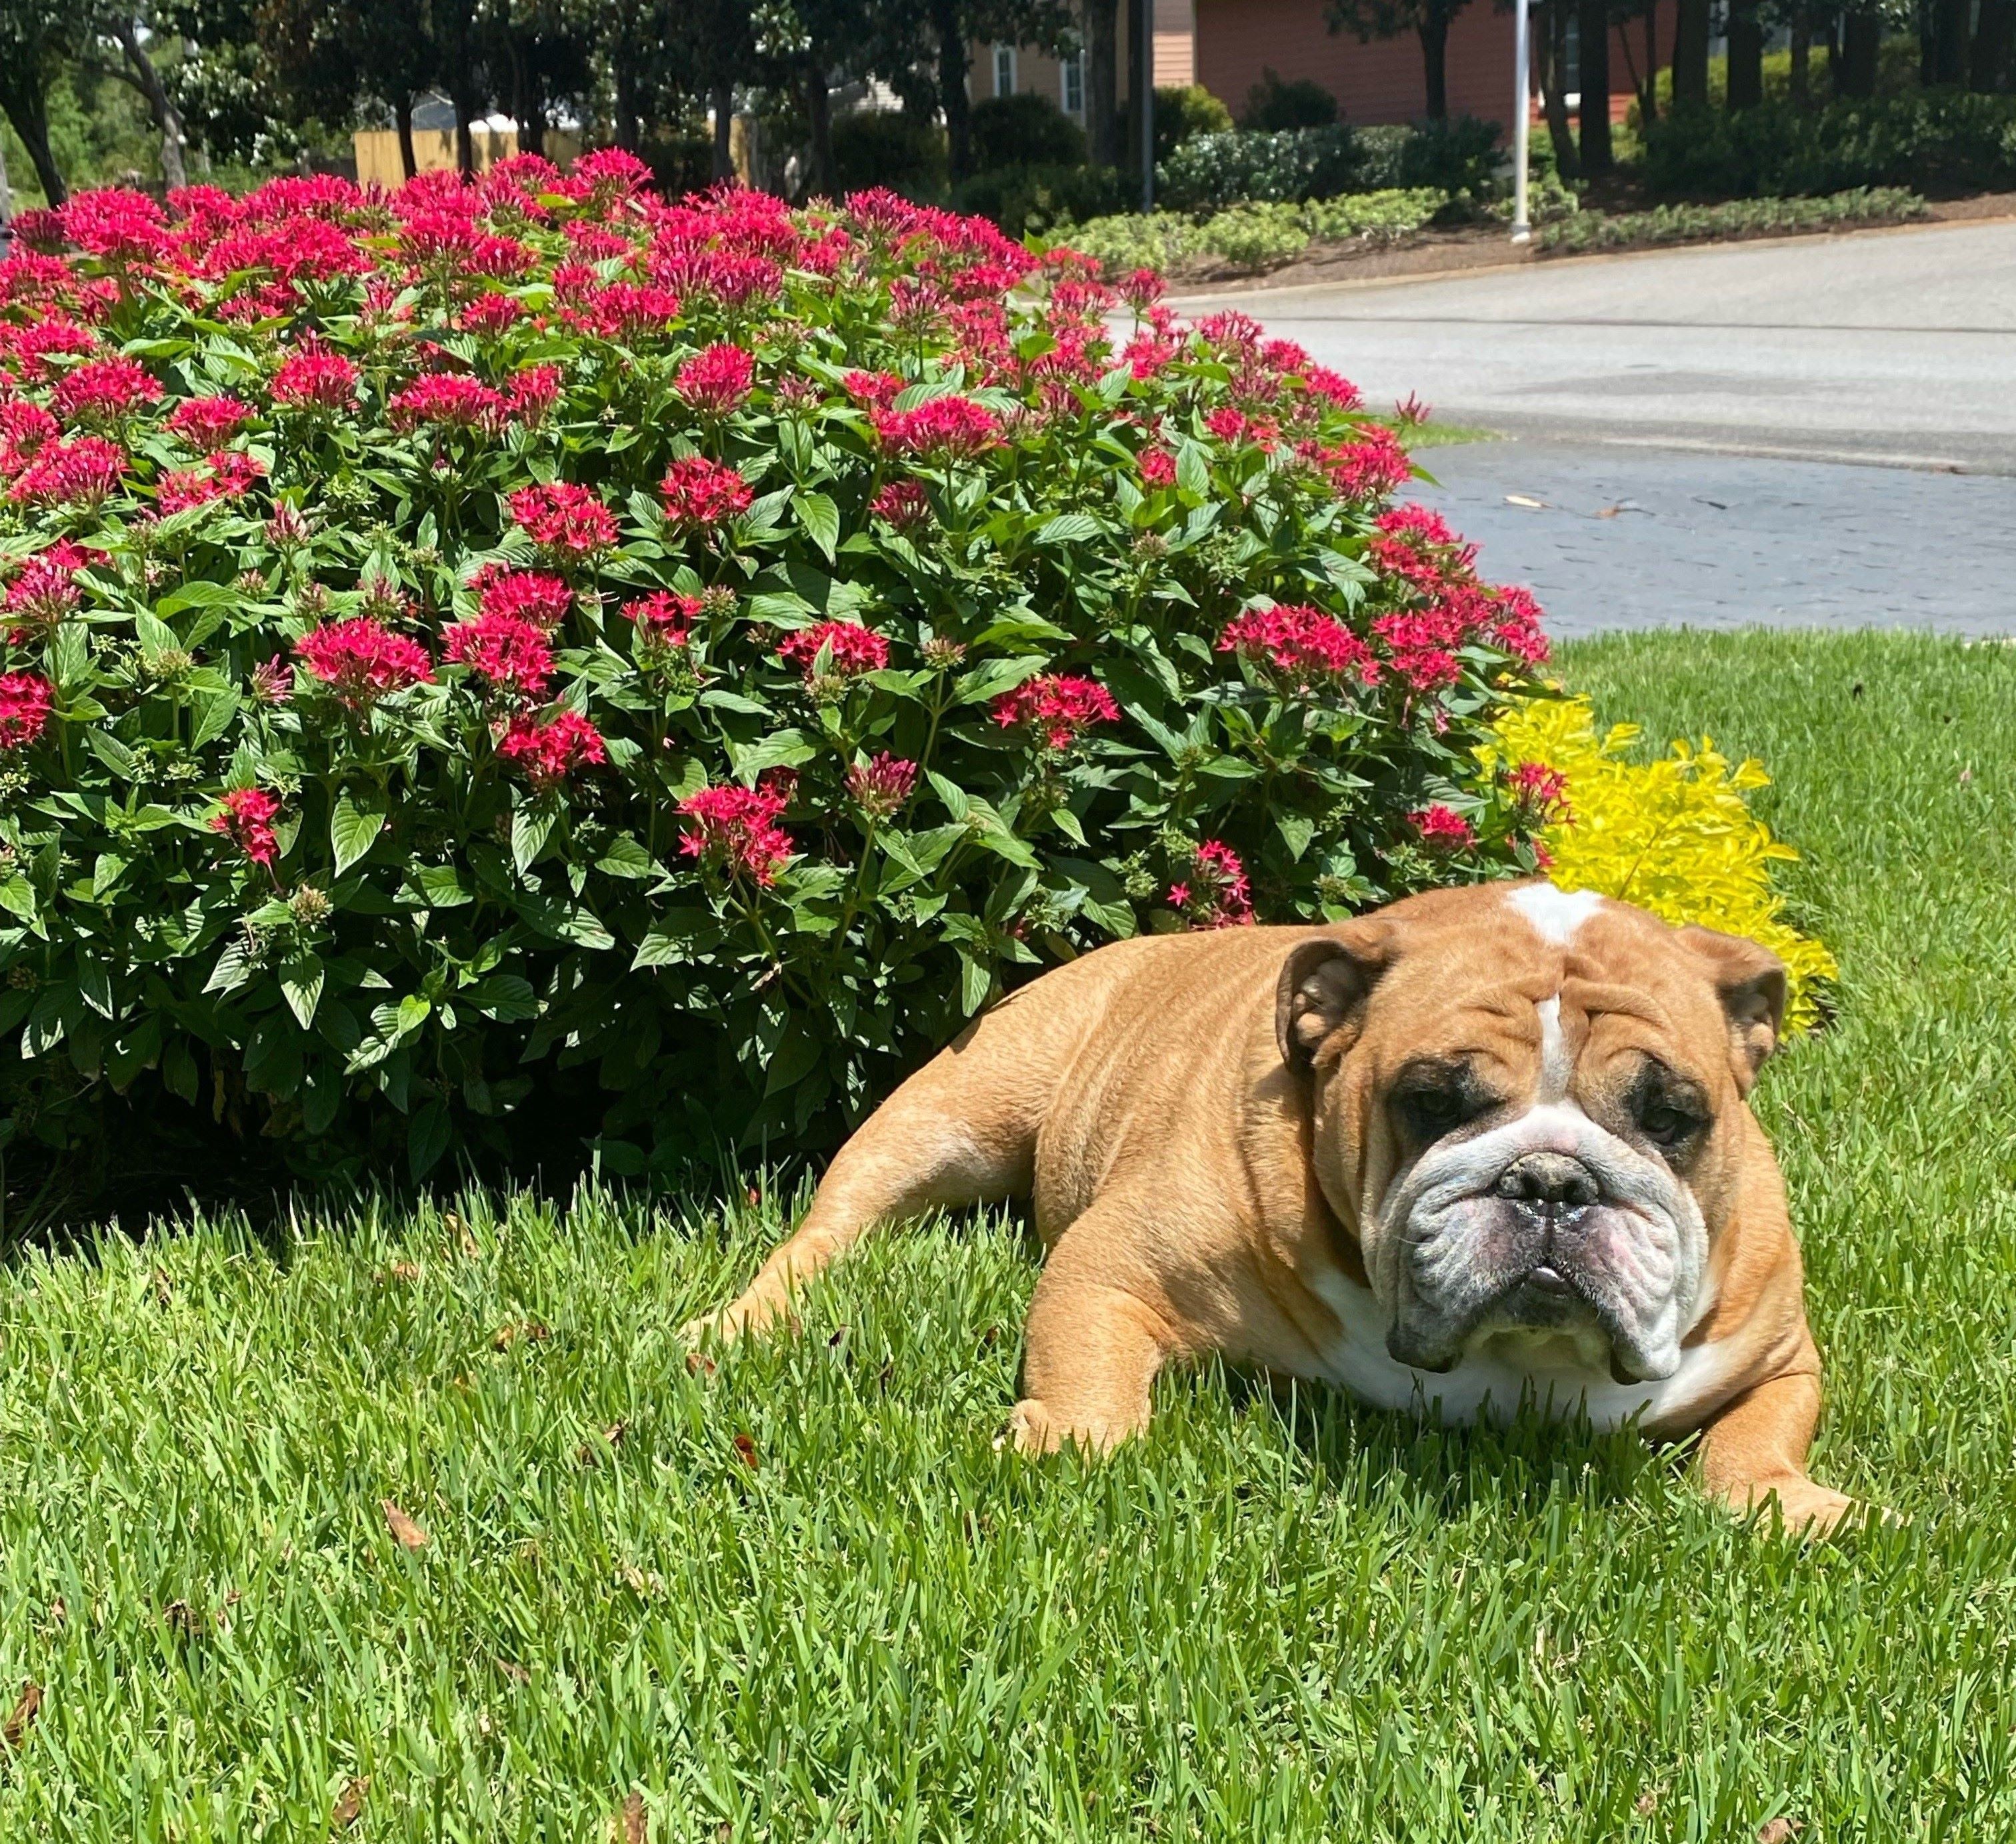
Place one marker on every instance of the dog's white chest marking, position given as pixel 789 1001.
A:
pixel 1489 1386
pixel 1555 914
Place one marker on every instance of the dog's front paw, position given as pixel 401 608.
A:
pixel 1037 1429
pixel 753 1314
pixel 1809 1511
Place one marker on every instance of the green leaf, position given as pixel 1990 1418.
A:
pixel 952 794
pixel 530 828
pixel 155 635
pixel 820 517
pixel 623 857
pixel 353 827
pixel 784 749
pixel 300 986
pixel 1296 832
pixel 232 970
pixel 974 984
pixel 1069 528
pixel 115 755
pixel 990 678
pixel 1192 471
pixel 72 654
pixel 443 886
pixel 214 716
pixel 427 1138
pixel 508 997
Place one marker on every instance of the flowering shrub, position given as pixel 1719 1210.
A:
pixel 510 662
pixel 1672 835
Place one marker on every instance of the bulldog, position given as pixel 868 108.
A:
pixel 1486 1148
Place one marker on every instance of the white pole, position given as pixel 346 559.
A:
pixel 1146 113
pixel 1522 56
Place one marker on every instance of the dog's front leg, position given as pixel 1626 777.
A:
pixel 1094 1345
pixel 1756 1450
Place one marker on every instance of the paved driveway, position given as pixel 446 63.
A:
pixel 1888 346
pixel 1684 422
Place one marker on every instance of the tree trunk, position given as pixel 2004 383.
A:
pixel 1102 80
pixel 402 120
pixel 1746 56
pixel 1138 79
pixel 167 120
pixel 30 117
pixel 724 131
pixel 1433 29
pixel 1648 97
pixel 1990 54
pixel 1593 78
pixel 1553 40
pixel 1861 39
pixel 952 98
pixel 819 118
pixel 1802 51
pixel 1950 20
pixel 1690 26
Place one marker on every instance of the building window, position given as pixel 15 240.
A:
pixel 1004 70
pixel 1072 72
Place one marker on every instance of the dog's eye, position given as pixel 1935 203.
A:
pixel 1668 1126
pixel 1429 1113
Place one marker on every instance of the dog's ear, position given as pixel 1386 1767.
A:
pixel 1323 986
pixel 1750 981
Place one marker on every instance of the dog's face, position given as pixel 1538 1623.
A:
pixel 1530 1108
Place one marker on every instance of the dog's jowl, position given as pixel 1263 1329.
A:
pixel 1488 1147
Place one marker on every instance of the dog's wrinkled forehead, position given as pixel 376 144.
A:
pixel 1546 987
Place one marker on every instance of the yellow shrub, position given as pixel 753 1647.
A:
pixel 1673 835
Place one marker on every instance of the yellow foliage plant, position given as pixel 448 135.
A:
pixel 1674 834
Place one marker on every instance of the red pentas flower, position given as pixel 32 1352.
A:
pixel 881 784
pixel 1541 791
pixel 945 429
pixel 1158 467
pixel 880 389
pixel 1304 644
pixel 53 337
pixel 225 475
pixel 1416 545
pixel 736 828
pixel 547 750
pixel 489 315
pixel 505 651
pixel 209 422
pixel 1216 895
pixel 534 392
pixel 700 495
pixel 25 702
pixel 24 426
pixel 1442 828
pixel 79 472
pixel 448 400
pixel 362 661
pixel 903 503
pixel 665 617
pixel 45 588
pixel 523 595
pixel 1366 468
pixel 1515 624
pixel 716 380
pixel 101 389
pixel 565 518
pixel 849 647
pixel 246 818
pixel 313 378
pixel 1058 706
pixel 118 225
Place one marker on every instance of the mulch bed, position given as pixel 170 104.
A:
pixel 1487 247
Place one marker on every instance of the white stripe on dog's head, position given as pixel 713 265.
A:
pixel 1555 914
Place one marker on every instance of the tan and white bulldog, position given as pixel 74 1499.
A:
pixel 1488 1145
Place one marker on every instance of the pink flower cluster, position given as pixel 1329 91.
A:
pixel 716 380
pixel 943 429
pixel 228 474
pixel 664 617
pixel 849 648
pixel 26 700
pixel 363 660
pixel 1216 895
pixel 1060 707
pixel 83 472
pixel 881 784
pixel 737 827
pixel 246 818
pixel 905 504
pixel 565 518
pixel 1541 792
pixel 313 379
pixel 1305 646
pixel 503 650
pixel 207 422
pixel 45 588
pixel 102 390
pixel 449 400
pixel 1442 829
pixel 700 495
pixel 529 595
pixel 546 751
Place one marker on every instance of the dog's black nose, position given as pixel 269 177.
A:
pixel 1552 1182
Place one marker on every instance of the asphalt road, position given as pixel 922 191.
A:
pixel 1819 432
pixel 1895 346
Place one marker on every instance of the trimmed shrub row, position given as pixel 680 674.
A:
pixel 1252 236
pixel 1679 224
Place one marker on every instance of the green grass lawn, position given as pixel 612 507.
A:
pixel 808 1598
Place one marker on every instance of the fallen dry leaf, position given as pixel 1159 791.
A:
pixel 747 1448
pixel 15 1728
pixel 700 1364
pixel 410 1535
pixel 401 1271
pixel 627 1826
pixel 1778 1830
pixel 163 1290
pixel 643 1585
pixel 588 1453
pixel 528 1331
pixel 349 1803
pixel 1648 1803
pixel 517 1674
pixel 1526 500
pixel 183 1619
